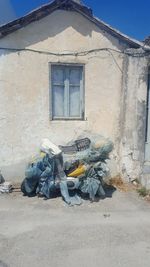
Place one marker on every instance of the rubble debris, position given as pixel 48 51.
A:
pixel 69 170
pixel 135 182
pixel 16 187
pixel 5 187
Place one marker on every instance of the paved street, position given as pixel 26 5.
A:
pixel 114 232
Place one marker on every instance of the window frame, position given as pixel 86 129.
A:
pixel 82 93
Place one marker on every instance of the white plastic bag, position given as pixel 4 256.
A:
pixel 48 147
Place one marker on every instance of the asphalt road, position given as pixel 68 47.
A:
pixel 114 232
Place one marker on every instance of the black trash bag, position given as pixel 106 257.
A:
pixel 2 180
pixel 29 186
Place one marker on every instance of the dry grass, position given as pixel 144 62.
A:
pixel 119 184
pixel 144 192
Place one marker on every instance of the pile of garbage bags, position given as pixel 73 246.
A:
pixel 74 171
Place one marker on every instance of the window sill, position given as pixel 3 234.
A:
pixel 67 119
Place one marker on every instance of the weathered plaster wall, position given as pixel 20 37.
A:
pixel 24 87
pixel 133 115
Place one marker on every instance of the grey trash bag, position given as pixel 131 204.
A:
pixel 92 183
pixel 30 183
pixel 48 188
pixel 33 171
pixel 69 199
pixel 90 186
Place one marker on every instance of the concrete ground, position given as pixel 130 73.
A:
pixel 114 232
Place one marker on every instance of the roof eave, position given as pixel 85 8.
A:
pixel 47 9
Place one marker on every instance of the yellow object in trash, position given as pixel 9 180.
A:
pixel 42 154
pixel 36 158
pixel 80 170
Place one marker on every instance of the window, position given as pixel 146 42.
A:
pixel 67 92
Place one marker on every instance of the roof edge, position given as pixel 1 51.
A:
pixel 68 5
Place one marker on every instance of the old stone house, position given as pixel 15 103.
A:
pixel 64 72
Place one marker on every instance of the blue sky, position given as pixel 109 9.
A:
pixel 131 17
